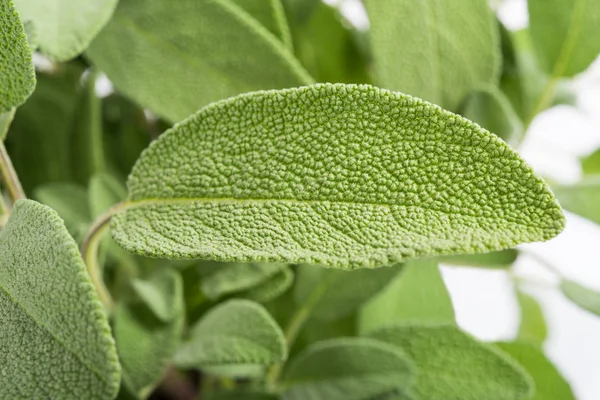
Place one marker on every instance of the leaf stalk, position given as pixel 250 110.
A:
pixel 9 176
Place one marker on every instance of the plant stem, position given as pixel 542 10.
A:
pixel 4 211
pixel 9 176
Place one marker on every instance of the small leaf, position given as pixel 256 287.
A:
pixel 591 163
pixel 175 57
pixel 229 278
pixel 17 74
pixel 494 260
pixel 271 15
pixel 418 293
pixel 451 365
pixel 549 383
pixel 563 33
pixel 146 340
pixel 341 175
pixel 581 198
pixel 104 192
pixel 347 369
pixel 237 333
pixel 270 289
pixel 437 50
pixel 584 297
pixel 533 327
pixel 343 291
pixel 56 341
pixel 64 27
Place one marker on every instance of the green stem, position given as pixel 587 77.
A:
pixel 9 176
pixel 4 211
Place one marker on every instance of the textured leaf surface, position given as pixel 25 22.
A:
pixel 418 293
pixel 55 341
pixel 581 198
pixel 563 33
pixel 438 50
pixel 494 259
pixel 532 328
pixel 234 333
pixel 342 175
pixel 64 28
pixel 146 340
pixel 452 365
pixel 347 369
pixel 549 384
pixel 231 278
pixel 271 15
pixel 175 57
pixel 584 297
pixel 17 74
pixel 340 292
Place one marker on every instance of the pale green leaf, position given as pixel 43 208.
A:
pixel 17 74
pixel 451 365
pixel 347 176
pixel 175 57
pixel 581 198
pixel 564 34
pixel 55 339
pixel 439 50
pixel 104 192
pixel 271 15
pixel 549 383
pixel 145 339
pixel 237 333
pixel 591 163
pixel 339 292
pixel 230 278
pixel 418 293
pixel 5 121
pixel 584 297
pixel 270 289
pixel 65 28
pixel 494 260
pixel 347 369
pixel 532 328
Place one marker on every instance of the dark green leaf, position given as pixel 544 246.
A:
pixel 584 297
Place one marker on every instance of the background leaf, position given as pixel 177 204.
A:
pixel 584 297
pixel 271 15
pixel 581 198
pixel 5 121
pixel 329 192
pixel 70 201
pixel 532 328
pixel 495 259
pixel 55 339
pixel 271 288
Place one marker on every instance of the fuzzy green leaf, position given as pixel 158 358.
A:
pixel 271 288
pixel 146 337
pixel 347 369
pixel 343 291
pixel 55 339
pixel 65 28
pixel 493 260
pixel 348 176
pixel 439 50
pixel 271 15
pixel 532 328
pixel 418 293
pixel 237 333
pixel 584 297
pixel 549 384
pixel 151 50
pixel 451 365
pixel 581 198
pixel 17 74
pixel 564 34
pixel 230 278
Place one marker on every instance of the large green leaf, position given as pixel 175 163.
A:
pixel 564 34
pixel 584 297
pixel 348 176
pixel 17 75
pixel 549 384
pixel 339 292
pixel 229 278
pixel 64 28
pixel 238 333
pixel 581 198
pixel 271 15
pixel 56 342
pixel 532 328
pixel 439 50
pixel 347 369
pixel 451 365
pixel 418 293
pixel 175 57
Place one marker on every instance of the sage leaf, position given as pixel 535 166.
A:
pixel 339 292
pixel 237 333
pixel 584 297
pixel 271 15
pixel 347 176
pixel 347 369
pixel 70 201
pixel 17 74
pixel 438 50
pixel 229 278
pixel 549 384
pixel 532 328
pixel 150 50
pixel 494 260
pixel 5 121
pixel 270 289
pixel 55 339
pixel 451 365
pixel 65 28
pixel 563 33
pixel 418 293
pixel 581 198
pixel 147 335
